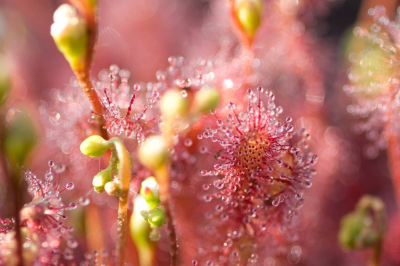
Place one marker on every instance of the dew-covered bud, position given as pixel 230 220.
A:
pixel 173 105
pixel 100 179
pixel 95 146
pixel 153 153
pixel 69 33
pixel 19 138
pixel 206 99
pixel 149 192
pixel 155 217
pixel 248 15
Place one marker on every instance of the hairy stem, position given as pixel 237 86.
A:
pixel 163 179
pixel 377 255
pixel 124 178
pixel 82 72
pixel 394 163
pixel 17 207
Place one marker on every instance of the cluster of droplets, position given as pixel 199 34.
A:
pixel 98 258
pixel 125 112
pixel 264 169
pixel 62 117
pixel 182 74
pixel 375 81
pixel 42 218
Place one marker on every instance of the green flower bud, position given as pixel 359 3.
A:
pixel 95 146
pixel 153 153
pixel 149 192
pixel 173 105
pixel 206 99
pixel 156 217
pixel 69 33
pixel 111 188
pixel 100 179
pixel 19 138
pixel 248 14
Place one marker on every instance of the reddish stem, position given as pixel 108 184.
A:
pixel 393 153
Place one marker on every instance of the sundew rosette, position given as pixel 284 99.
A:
pixel 41 228
pixel 125 112
pixel 375 80
pixel 263 168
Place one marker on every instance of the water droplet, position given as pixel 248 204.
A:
pixel 188 142
pixel 228 243
pixel 59 168
pixel 49 176
pixel 203 149
pixel 70 186
pixel 51 163
pixel 206 186
pixel 184 93
pixel 72 243
pixel 84 201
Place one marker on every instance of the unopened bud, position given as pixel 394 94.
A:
pixel 155 217
pixel 173 105
pixel 69 33
pixel 100 179
pixel 149 192
pixel 206 99
pixel 365 226
pixel 95 146
pixel 153 153
pixel 111 188
pixel 248 14
pixel 140 232
pixel 19 138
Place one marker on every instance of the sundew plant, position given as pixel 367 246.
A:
pixel 201 132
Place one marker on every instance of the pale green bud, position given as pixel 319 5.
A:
pixel 365 226
pixel 153 153
pixel 173 105
pixel 140 232
pixel 149 191
pixel 111 188
pixel 155 217
pixel 95 146
pixel 69 33
pixel 248 14
pixel 206 99
pixel 100 179
pixel 19 138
